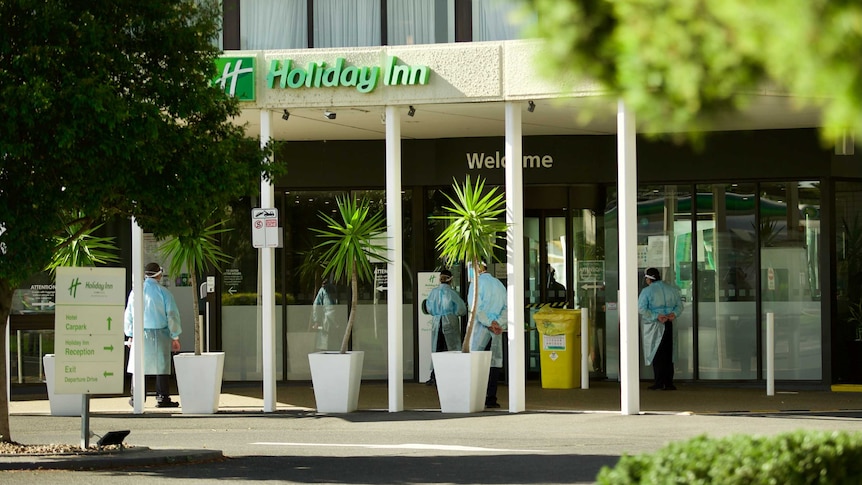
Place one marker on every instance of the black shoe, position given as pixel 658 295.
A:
pixel 431 382
pixel 654 387
pixel 167 403
pixel 493 405
pixel 670 387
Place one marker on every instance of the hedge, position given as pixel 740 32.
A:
pixel 799 457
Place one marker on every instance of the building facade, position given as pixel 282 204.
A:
pixel 759 217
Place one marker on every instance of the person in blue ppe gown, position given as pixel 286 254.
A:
pixel 446 308
pixel 323 317
pixel 491 319
pixel 659 305
pixel 162 331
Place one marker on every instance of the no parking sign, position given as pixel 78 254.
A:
pixel 264 228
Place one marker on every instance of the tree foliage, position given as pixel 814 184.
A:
pixel 677 63
pixel 108 111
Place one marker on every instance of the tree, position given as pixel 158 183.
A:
pixel 676 63
pixel 472 233
pixel 348 246
pixel 109 111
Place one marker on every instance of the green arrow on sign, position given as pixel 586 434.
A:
pixel 107 374
pixel 109 349
pixel 109 323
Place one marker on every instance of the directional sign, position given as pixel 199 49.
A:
pixel 88 329
pixel 264 228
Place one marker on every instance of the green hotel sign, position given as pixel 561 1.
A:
pixel 365 79
pixel 236 75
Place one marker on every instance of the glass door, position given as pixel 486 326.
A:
pixel 545 275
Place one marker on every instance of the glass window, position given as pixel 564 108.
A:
pixel 417 22
pixel 847 333
pixel 664 243
pixel 273 24
pixel 346 24
pixel 240 318
pixel 499 20
pixel 726 281
pixel 789 275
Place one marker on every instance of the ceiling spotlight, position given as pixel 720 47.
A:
pixel 411 111
pixel 531 106
pixel 330 115
pixel 286 115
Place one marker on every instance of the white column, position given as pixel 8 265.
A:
pixel 515 257
pixel 138 316
pixel 267 285
pixel 394 308
pixel 627 203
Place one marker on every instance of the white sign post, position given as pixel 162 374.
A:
pixel 88 329
pixel 264 228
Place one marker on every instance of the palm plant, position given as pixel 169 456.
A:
pixel 347 247
pixel 197 249
pixel 472 233
pixel 78 246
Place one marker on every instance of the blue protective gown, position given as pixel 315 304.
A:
pixel 161 325
pixel 491 307
pixel 659 298
pixel 445 306
pixel 323 316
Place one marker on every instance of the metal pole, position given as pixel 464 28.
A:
pixel 585 341
pixel 85 421
pixel 770 354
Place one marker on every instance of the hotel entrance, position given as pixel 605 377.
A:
pixel 564 264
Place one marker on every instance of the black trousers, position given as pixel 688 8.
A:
pixel 163 386
pixel 662 363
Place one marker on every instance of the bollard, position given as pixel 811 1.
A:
pixel 770 354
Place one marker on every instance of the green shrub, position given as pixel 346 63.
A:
pixel 800 457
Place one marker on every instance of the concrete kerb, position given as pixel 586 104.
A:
pixel 128 457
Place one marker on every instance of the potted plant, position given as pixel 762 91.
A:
pixel 199 374
pixel 470 237
pixel 347 245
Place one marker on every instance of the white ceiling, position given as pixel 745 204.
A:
pixel 566 116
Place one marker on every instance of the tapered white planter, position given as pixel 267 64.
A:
pixel 462 380
pixel 61 404
pixel 199 381
pixel 336 378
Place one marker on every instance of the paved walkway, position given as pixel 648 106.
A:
pixel 601 396
pixel 420 402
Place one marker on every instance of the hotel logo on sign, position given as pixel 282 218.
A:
pixel 236 77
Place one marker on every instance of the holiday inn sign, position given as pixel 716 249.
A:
pixel 236 75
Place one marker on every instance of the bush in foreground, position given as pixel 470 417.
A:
pixel 799 457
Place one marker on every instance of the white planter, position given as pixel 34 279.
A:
pixel 336 378
pixel 462 380
pixel 61 404
pixel 199 380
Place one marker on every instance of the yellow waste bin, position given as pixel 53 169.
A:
pixel 560 347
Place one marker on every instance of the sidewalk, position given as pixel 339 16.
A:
pixel 246 399
pixel 601 396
